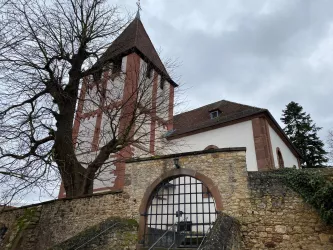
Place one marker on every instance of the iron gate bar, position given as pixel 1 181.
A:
pixel 173 211
pixel 167 208
pixel 178 204
pixel 162 216
pixel 187 198
pixel 191 234
pixel 196 202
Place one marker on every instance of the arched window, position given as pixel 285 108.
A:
pixel 211 147
pixel 279 158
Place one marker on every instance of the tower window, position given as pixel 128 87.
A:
pixel 116 69
pixel 162 83
pixel 149 70
pixel 214 114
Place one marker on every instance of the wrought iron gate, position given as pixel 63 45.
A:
pixel 181 212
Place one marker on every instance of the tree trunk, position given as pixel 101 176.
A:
pixel 74 175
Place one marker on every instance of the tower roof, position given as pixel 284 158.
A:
pixel 135 39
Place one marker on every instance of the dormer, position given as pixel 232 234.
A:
pixel 214 113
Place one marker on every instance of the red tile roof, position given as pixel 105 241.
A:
pixel 200 118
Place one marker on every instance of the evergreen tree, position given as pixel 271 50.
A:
pixel 303 133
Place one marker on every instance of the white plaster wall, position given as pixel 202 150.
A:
pixel 165 108
pixel 86 158
pixel 142 152
pixel 86 134
pixel 162 102
pixel 237 135
pixel 142 129
pixel 288 157
pixel 145 85
pixel 105 176
pixel 91 100
pixel 124 64
pixel 114 92
pixel 160 141
pixel 109 118
pixel 115 87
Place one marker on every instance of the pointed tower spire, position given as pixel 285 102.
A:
pixel 139 8
pixel 134 38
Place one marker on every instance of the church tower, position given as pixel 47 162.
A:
pixel 133 81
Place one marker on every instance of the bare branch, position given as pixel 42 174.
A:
pixel 50 103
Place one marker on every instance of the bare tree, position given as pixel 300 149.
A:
pixel 50 56
pixel 5 35
pixel 330 145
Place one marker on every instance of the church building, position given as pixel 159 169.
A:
pixel 226 124
pixel 136 81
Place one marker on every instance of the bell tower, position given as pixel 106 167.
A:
pixel 133 80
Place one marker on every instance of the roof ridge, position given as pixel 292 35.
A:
pixel 197 108
pixel 244 105
pixel 136 30
pixel 152 46
pixel 223 100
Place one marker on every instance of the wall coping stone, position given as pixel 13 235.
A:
pixel 62 199
pixel 209 151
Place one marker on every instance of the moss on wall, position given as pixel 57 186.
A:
pixel 314 188
pixel 27 221
pixel 113 233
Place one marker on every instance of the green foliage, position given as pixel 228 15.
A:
pixel 303 134
pixel 313 187
pixel 22 224
pixel 25 219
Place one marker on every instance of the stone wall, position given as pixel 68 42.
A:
pixel 225 234
pixel 270 214
pixel 113 233
pixel 278 218
pixel 62 219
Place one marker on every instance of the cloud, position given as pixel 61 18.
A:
pixel 261 53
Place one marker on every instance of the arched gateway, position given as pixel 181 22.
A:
pixel 179 212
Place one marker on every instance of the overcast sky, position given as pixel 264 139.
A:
pixel 260 53
pixel 255 52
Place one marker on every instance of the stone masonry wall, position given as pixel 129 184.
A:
pixel 278 218
pixel 113 233
pixel 225 234
pixel 270 214
pixel 60 220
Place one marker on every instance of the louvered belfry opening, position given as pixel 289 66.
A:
pixel 181 212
